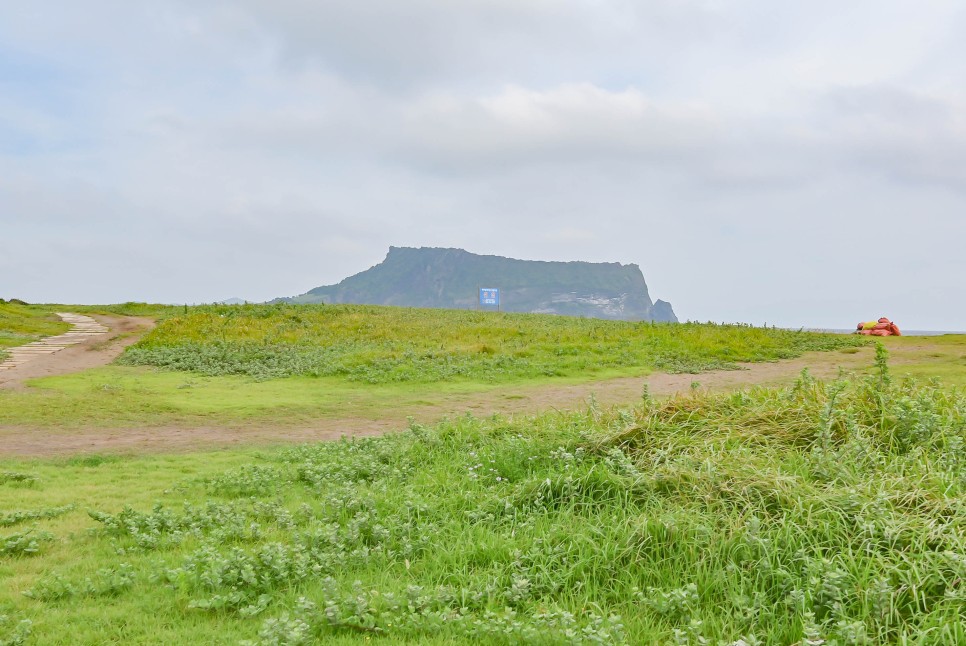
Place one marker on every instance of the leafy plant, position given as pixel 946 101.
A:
pixel 23 543
pixel 15 477
pixel 17 517
pixel 14 634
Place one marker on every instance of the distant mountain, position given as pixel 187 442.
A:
pixel 233 301
pixel 451 278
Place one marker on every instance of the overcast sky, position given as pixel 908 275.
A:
pixel 788 163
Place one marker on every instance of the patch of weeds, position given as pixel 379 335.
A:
pixel 676 604
pixel 162 528
pixel 17 478
pixel 676 365
pixel 23 543
pixel 106 582
pixel 93 460
pixel 17 517
pixel 249 480
pixel 14 633
pixel 241 580
pixel 425 612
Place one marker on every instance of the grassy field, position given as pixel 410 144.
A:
pixel 379 345
pixel 816 512
pixel 942 357
pixel 288 365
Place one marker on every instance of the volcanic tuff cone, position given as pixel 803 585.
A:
pixel 451 278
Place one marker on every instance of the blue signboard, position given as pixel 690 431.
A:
pixel 489 296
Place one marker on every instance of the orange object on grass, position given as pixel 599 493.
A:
pixel 882 327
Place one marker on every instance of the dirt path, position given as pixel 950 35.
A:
pixel 82 328
pixel 90 343
pixel 510 400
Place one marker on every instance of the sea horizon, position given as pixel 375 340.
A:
pixel 904 332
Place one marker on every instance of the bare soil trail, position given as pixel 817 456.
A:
pixel 92 341
pixel 508 400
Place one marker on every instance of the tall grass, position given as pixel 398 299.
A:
pixel 819 513
pixel 385 344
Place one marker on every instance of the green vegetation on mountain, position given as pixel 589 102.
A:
pixel 451 278
pixel 820 513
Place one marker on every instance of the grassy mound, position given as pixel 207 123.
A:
pixel 824 511
pixel 380 345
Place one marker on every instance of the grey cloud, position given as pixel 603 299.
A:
pixel 35 203
pixel 572 123
pixel 453 134
pixel 384 42
pixel 755 159
pixel 397 46
pixel 889 105
pixel 869 130
pixel 903 135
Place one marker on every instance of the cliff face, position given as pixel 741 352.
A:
pixel 451 278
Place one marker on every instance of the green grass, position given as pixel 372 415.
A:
pixel 945 359
pixel 149 310
pixel 126 397
pixel 122 396
pixel 820 511
pixel 379 345
pixel 22 324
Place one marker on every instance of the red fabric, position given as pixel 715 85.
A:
pixel 884 327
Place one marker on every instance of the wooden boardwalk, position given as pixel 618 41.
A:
pixel 82 328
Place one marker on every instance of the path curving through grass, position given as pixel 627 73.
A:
pixel 82 329
pixel 90 343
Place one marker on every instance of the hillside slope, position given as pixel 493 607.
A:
pixel 451 278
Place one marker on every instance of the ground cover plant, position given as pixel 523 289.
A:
pixel 378 345
pixel 819 513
